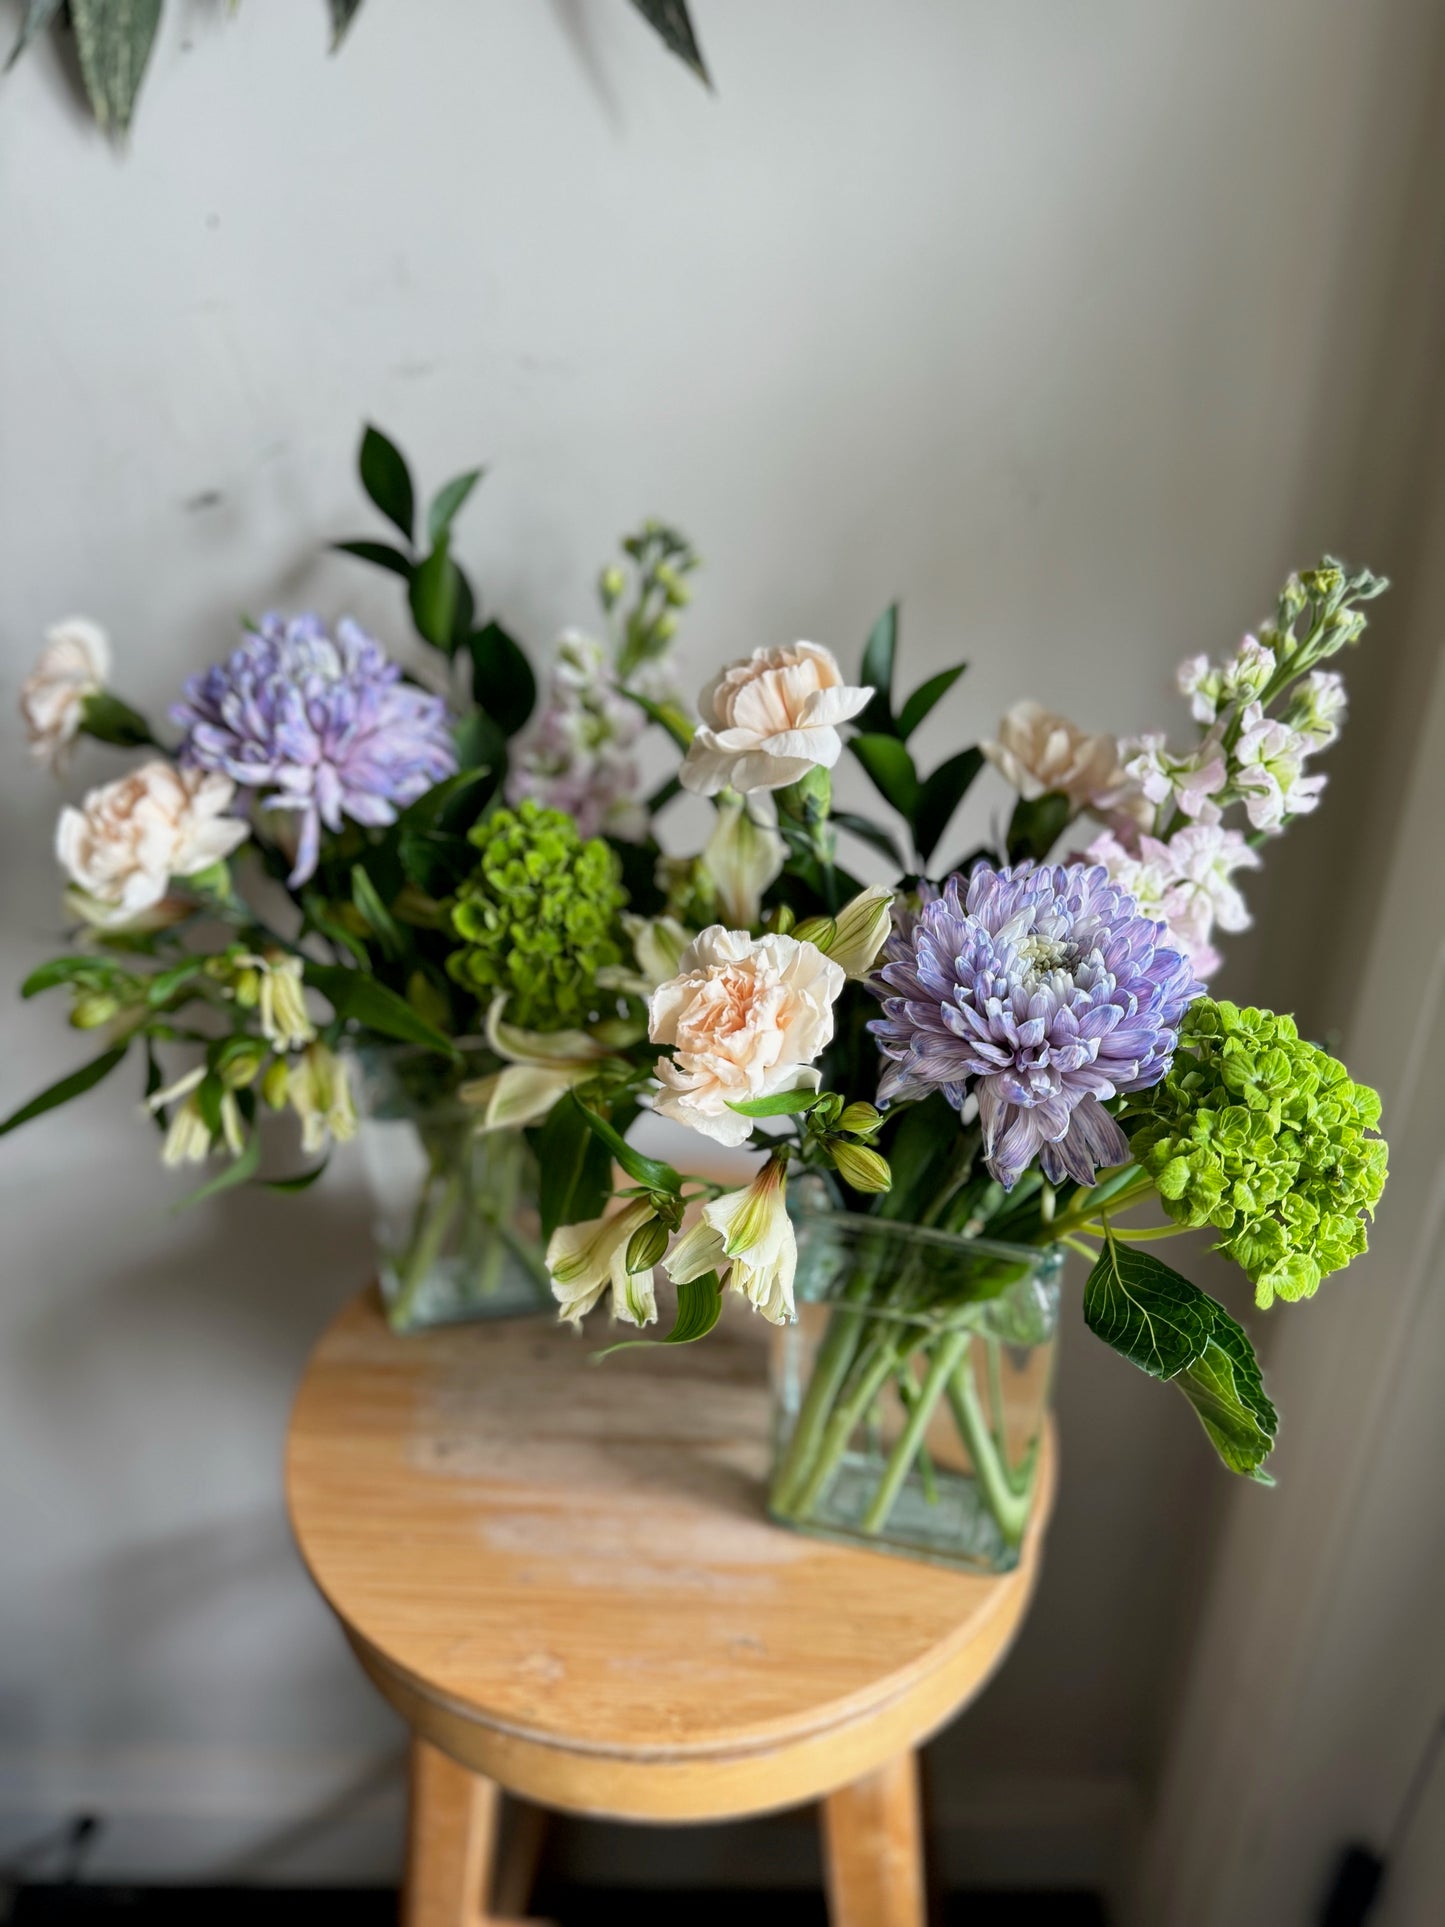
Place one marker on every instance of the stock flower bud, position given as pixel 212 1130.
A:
pixel 860 1166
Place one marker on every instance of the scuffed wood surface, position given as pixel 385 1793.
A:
pixel 577 1553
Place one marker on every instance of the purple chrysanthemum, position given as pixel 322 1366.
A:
pixel 326 724
pixel 1039 993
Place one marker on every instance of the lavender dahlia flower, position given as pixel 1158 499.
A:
pixel 326 724
pixel 1040 993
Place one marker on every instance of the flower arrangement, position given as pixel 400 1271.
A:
pixel 1014 1048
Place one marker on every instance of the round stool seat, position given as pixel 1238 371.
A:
pixel 561 1573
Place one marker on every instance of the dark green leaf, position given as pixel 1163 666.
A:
pixel 343 12
pixel 381 554
pixel 38 16
pixel 154 1081
pixel 780 1104
pixel 387 480
pixel 1225 1388
pixel 891 769
pixel 924 698
pixel 699 1306
pixel 209 1093
pixel 447 500
pixel 940 795
pixel 319 917
pixel 480 745
pixel 502 680
pixel 355 995
pixel 384 926
pixel 165 982
pixel 663 795
pixel 434 596
pixel 114 39
pixel 872 833
pixel 575 1166
pixel 1037 824
pixel 451 805
pixel 1138 1306
pixel 302 1181
pixel 76 1085
pixel 109 720
pixel 239 1171
pixel 670 19
pixel 877 674
pixel 652 1172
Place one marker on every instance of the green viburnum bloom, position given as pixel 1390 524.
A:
pixel 1269 1140
pixel 539 917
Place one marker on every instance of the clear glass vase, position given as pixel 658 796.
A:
pixel 455 1220
pixel 911 1395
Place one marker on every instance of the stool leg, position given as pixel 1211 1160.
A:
pixel 873 1849
pixel 451 1851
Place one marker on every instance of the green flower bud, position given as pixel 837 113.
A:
pixel 240 1066
pixel 646 1245
pixel 861 1119
pixel 816 930
pixel 274 1084
pixel 97 1007
pixel 246 988
pixel 610 585
pixel 861 1166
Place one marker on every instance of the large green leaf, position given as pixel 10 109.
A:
pixel 1037 824
pixel 1140 1307
pixel 448 500
pixel 642 1170
pixel 76 1085
pixel 877 673
pixel 114 39
pixel 940 795
pixel 356 995
pixel 780 1104
pixel 91 973
pixel 436 596
pixel 699 1306
pixel 891 769
pixel 502 679
pixel 925 697
pixel 387 479
pixel 384 926
pixel 575 1166
pixel 343 12
pixel 109 720
pixel 1226 1390
pixel 670 19
pixel 38 16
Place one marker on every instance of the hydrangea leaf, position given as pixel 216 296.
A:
pixel 1142 1308
pixel 1227 1392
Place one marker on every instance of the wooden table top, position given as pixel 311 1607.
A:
pixel 577 1553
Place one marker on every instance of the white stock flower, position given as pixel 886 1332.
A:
pixel 1189 783
pixel 741 858
pixel 1318 707
pixel 1248 671
pixel 1185 883
pixel 746 1237
pixel 769 719
pixel 746 1017
pixel 1038 751
pixel 1200 681
pixel 584 1259
pixel 73 665
pixel 1270 758
pixel 130 837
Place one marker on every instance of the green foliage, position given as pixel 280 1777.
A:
pixel 1036 825
pixel 357 996
pixel 669 19
pixel 538 917
pixel 502 680
pixel 1174 1331
pixel 1269 1140
pixel 387 479
pixel 75 1085
pixel 575 1167
pixel 699 1306
pixel 114 40
pixel 652 1172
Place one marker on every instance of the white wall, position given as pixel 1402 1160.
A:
pixel 1060 321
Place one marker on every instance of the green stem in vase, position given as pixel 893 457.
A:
pixel 878 1359
pixel 941 1364
pixel 1009 1505
pixel 830 1368
pixel 424 1249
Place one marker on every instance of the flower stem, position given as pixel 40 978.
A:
pixel 879 1357
pixel 423 1250
pixel 1008 1501
pixel 949 1349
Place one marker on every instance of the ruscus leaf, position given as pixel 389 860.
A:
pixel 380 554
pixel 669 19
pixel 435 596
pixel 940 795
pixel 1037 824
pixel 871 833
pixel 891 770
pixel 387 479
pixel 502 680
pixel 877 673
pixel 448 500
pixel 342 12
pixel 75 1085
pixel 925 697
pixel 38 16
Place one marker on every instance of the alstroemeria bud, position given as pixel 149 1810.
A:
pixel 93 1010
pixel 861 1119
pixel 274 1084
pixel 646 1246
pixel 818 931
pixel 860 1166
pixel 741 858
pixel 863 928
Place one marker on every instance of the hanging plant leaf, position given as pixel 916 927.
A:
pixel 387 479
pixel 669 20
pixel 38 16
pixel 114 40
pixel 343 12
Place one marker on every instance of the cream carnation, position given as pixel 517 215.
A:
pixel 130 837
pixel 746 1017
pixel 73 665
pixel 769 719
pixel 1039 752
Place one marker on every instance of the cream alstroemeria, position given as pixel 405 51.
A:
pixel 740 859
pixel 279 999
pixel 746 1017
pixel 73 665
pixel 318 1085
pixel 769 719
pixel 746 1237
pixel 130 837
pixel 1039 752
pixel 657 946
pixel 520 1046
pixel 584 1259
pixel 520 1094
pixel 188 1138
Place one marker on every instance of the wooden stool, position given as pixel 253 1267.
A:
pixel 561 1576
